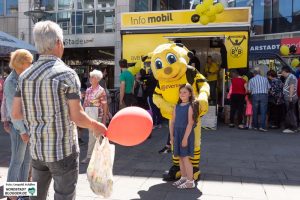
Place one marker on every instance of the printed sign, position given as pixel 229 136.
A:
pixel 236 16
pixel 268 46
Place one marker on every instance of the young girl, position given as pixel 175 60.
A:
pixel 185 115
pixel 249 111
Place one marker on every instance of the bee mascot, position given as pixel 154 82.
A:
pixel 169 64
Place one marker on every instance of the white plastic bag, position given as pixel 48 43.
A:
pixel 99 171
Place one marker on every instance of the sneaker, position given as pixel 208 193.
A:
pixel 231 125
pixel 262 130
pixel 288 131
pixel 85 161
pixel 166 149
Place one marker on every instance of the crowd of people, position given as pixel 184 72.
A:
pixel 49 104
pixel 265 102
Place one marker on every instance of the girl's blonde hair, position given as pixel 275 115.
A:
pixel 194 104
pixel 20 57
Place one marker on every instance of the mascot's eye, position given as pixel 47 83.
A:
pixel 158 64
pixel 171 58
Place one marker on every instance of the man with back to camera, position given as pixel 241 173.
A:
pixel 194 61
pixel 127 97
pixel 50 94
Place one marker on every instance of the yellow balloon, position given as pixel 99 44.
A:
pixel 212 18
pixel 204 20
pixel 212 11
pixel 284 50
pixel 208 3
pixel 295 62
pixel 200 9
pixel 219 8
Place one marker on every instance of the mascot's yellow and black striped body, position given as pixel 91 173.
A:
pixel 170 68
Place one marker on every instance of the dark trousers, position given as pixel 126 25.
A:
pixel 290 116
pixel 275 113
pixel 64 173
pixel 213 90
pixel 156 116
pixel 237 102
pixel 130 100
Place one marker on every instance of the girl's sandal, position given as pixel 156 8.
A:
pixel 179 182
pixel 187 185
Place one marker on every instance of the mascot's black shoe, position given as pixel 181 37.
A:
pixel 173 174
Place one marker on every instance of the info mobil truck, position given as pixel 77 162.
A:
pixel 142 32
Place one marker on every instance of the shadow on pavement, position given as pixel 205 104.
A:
pixel 159 192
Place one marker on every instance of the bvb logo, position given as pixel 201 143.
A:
pixel 236 51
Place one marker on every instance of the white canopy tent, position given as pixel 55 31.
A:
pixel 9 43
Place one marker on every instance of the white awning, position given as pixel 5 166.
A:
pixel 9 43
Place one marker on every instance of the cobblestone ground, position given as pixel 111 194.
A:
pixel 235 165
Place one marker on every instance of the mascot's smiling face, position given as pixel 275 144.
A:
pixel 169 61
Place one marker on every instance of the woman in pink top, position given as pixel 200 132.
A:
pixel 95 105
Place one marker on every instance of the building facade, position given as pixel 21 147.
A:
pixel 92 27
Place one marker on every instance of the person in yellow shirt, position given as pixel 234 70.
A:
pixel 211 72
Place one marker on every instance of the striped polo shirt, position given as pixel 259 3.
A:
pixel 45 88
pixel 259 85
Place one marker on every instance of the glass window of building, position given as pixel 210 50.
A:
pixel 66 4
pixel 175 5
pixel 282 16
pixel 87 4
pixel 105 21
pixel 89 21
pixel 79 22
pixel 1 8
pixel 48 5
pixel 65 22
pixel 105 4
pixel 296 15
pixel 141 5
pixel 159 4
pixel 11 7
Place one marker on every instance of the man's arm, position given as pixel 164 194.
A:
pixel 81 119
pixel 16 112
pixel 122 92
pixel 291 90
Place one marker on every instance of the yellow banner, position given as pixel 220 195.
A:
pixel 137 45
pixel 234 16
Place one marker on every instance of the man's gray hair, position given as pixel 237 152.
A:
pixel 256 71
pixel 97 74
pixel 45 35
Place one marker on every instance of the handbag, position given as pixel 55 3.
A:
pixel 99 171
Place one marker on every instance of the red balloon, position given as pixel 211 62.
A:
pixel 130 126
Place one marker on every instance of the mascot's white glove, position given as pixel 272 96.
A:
pixel 203 103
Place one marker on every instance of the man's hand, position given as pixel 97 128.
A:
pixel 6 126
pixel 25 137
pixel 122 105
pixel 99 129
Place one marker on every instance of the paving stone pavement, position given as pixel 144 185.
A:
pixel 235 165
